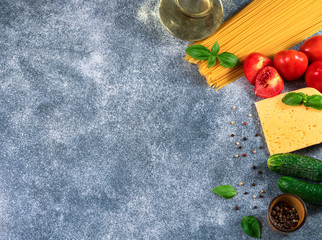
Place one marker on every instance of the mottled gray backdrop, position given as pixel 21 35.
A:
pixel 107 133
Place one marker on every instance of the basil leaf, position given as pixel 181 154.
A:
pixel 215 49
pixel 251 226
pixel 293 99
pixel 225 191
pixel 228 60
pixel 198 52
pixel 315 101
pixel 211 61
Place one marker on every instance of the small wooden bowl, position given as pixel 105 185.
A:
pixel 293 201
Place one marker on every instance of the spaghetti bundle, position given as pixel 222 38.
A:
pixel 263 26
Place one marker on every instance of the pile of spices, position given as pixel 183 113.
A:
pixel 284 216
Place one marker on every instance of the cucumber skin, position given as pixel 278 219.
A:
pixel 309 192
pixel 296 165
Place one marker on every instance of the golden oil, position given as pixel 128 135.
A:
pixel 191 20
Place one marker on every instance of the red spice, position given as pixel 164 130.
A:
pixel 244 155
pixel 245 123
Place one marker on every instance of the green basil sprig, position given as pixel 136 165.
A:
pixel 225 191
pixel 200 52
pixel 294 99
pixel 251 226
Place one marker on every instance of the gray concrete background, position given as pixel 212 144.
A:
pixel 107 133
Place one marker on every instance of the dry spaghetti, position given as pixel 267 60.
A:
pixel 263 26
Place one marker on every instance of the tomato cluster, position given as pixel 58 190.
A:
pixel 267 75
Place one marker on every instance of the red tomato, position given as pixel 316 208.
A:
pixel 253 64
pixel 268 83
pixel 313 48
pixel 313 76
pixel 290 64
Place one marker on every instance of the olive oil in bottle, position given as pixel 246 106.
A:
pixel 191 20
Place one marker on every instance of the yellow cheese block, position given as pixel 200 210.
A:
pixel 289 128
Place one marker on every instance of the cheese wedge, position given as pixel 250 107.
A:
pixel 289 128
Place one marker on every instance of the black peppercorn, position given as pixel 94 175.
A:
pixel 283 217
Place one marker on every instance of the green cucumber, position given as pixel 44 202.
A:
pixel 309 192
pixel 296 165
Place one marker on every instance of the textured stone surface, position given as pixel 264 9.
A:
pixel 106 133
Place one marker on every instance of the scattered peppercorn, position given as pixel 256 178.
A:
pixel 237 208
pixel 245 123
pixel 254 196
pixel 232 123
pixel 259 172
pixel 254 151
pixel 241 184
pixel 245 138
pixel 261 147
pixel 240 147
pixel 234 107
pixel 249 115
pixel 244 155
pixel 261 191
pixel 253 184
pixel 256 135
pixel 245 193
pixel 254 167
pixel 237 143
pixel 284 216
pixel 261 196
pixel 233 135
pixel 255 207
pixel 236 156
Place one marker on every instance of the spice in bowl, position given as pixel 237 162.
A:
pixel 284 216
pixel 286 213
